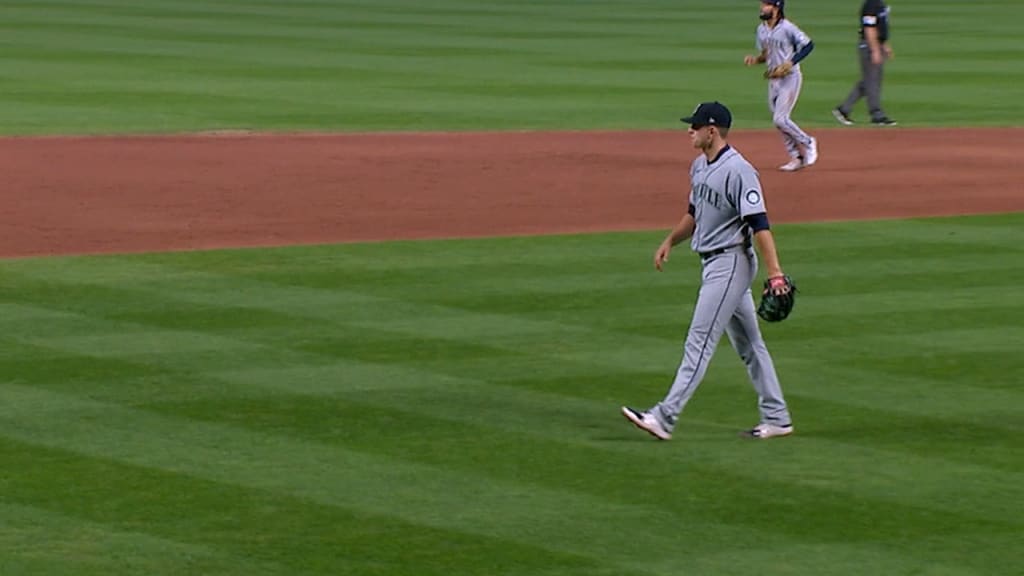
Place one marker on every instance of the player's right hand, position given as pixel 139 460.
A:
pixel 661 255
pixel 750 60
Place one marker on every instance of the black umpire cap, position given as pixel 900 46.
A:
pixel 710 114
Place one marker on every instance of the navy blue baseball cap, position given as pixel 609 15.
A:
pixel 710 114
pixel 779 3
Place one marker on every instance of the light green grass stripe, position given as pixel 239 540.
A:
pixel 37 541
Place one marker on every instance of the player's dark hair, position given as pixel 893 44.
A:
pixel 724 131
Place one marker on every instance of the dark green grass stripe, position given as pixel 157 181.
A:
pixel 191 524
pixel 965 307
pixel 916 386
pixel 338 478
pixel 422 438
pixel 990 444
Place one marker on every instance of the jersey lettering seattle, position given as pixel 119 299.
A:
pixel 708 194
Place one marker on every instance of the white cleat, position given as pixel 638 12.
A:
pixel 646 422
pixel 793 165
pixel 764 431
pixel 811 154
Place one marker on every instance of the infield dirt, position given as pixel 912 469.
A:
pixel 71 195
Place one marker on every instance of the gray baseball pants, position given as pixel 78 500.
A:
pixel 869 86
pixel 782 97
pixel 725 304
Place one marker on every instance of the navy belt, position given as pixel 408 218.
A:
pixel 713 253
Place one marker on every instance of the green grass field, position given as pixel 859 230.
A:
pixel 451 407
pixel 172 65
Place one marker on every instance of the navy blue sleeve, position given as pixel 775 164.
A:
pixel 803 52
pixel 692 210
pixel 758 221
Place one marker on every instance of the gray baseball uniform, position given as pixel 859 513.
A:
pixel 783 42
pixel 723 193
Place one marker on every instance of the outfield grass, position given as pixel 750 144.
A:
pixel 87 66
pixel 451 408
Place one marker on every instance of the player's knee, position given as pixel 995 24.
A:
pixel 781 122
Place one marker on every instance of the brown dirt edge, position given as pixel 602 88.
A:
pixel 87 195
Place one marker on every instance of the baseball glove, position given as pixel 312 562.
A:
pixel 777 299
pixel 780 71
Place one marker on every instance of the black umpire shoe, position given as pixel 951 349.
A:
pixel 884 121
pixel 842 117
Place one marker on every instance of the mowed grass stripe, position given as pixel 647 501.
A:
pixel 117 419
pixel 446 328
pixel 263 531
pixel 492 508
pixel 467 64
pixel 545 402
pixel 85 547
pixel 551 519
pixel 504 407
pixel 507 413
pixel 432 340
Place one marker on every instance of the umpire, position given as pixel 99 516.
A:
pixel 874 50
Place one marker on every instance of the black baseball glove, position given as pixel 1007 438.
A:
pixel 777 299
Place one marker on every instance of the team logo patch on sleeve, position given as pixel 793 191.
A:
pixel 753 197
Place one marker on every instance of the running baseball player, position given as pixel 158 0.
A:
pixel 726 218
pixel 782 46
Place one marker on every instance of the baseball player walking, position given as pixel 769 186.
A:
pixel 782 46
pixel 874 50
pixel 726 218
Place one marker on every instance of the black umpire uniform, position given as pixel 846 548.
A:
pixel 874 16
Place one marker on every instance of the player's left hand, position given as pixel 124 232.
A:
pixel 780 71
